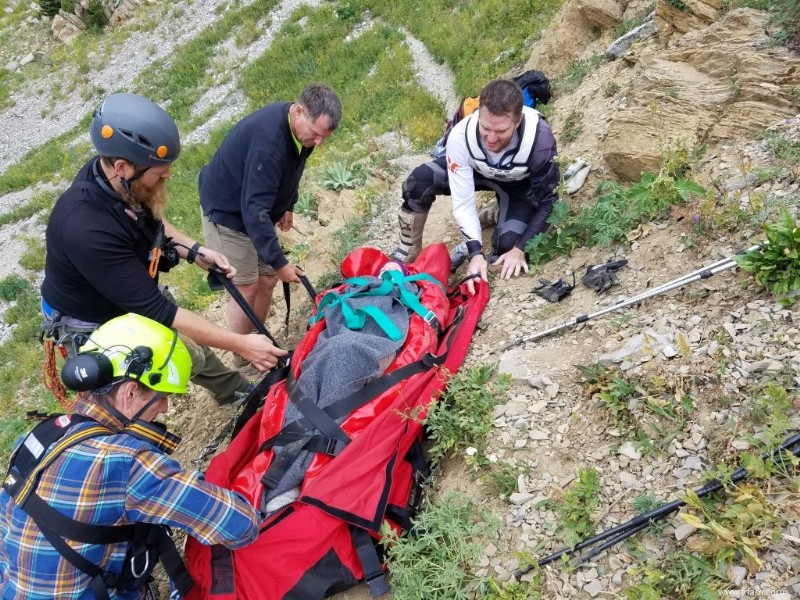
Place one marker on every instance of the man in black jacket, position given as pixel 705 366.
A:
pixel 107 242
pixel 251 184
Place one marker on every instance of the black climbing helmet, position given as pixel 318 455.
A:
pixel 136 129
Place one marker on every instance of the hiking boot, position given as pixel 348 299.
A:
pixel 245 368
pixel 242 396
pixel 458 256
pixel 488 215
pixel 412 225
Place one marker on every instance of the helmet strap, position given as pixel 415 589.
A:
pixel 156 397
pixel 137 175
pixel 151 431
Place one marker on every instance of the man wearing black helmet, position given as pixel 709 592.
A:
pixel 250 186
pixel 107 240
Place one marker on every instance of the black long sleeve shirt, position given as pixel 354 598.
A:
pixel 96 267
pixel 253 179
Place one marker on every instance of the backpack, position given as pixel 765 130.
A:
pixel 535 88
pixel 368 465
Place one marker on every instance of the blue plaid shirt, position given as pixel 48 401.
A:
pixel 112 480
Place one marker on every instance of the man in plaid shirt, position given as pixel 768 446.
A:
pixel 120 478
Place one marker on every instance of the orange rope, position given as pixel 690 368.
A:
pixel 50 376
pixel 155 254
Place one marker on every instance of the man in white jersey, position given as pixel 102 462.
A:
pixel 503 147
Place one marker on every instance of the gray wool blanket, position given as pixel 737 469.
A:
pixel 342 362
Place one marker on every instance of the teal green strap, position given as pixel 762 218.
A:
pixel 356 319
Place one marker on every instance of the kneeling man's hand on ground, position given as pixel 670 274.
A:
pixel 513 263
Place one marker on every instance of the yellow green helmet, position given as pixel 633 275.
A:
pixel 130 347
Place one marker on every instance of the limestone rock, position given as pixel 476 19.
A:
pixel 66 27
pixel 696 93
pixel 602 14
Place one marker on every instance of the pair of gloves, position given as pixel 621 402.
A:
pixel 598 277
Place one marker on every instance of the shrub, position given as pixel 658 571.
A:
pixel 776 264
pixel 616 212
pixel 462 418
pixel 436 559
pixel 12 286
pixel 338 177
pixel 96 15
pixel 49 7
pixel 575 510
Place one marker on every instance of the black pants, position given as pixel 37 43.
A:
pixel 516 207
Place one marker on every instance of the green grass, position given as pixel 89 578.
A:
pixel 58 159
pixel 578 70
pixel 462 417
pixel 493 35
pixel 183 77
pixel 575 509
pixel 39 201
pixel 436 559
pixel 21 359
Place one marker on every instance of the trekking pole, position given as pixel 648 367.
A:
pixel 217 280
pixel 704 273
pixel 704 270
pixel 625 530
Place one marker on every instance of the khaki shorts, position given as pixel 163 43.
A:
pixel 238 249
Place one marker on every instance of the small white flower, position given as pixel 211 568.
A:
pixel 492 458
pixel 472 451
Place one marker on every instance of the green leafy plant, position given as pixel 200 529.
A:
pixel 12 286
pixel 514 590
pixel 49 7
pixel 776 265
pixel 462 418
pixel 435 560
pixel 576 73
pixel 610 89
pixel 503 478
pixel 618 210
pixel 575 510
pixel 339 176
pixel 781 147
pixel 572 127
pixel 306 204
pixel 679 575
pixel 96 15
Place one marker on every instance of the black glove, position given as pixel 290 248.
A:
pixel 602 277
pixel 553 292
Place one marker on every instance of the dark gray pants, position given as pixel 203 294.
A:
pixel 516 207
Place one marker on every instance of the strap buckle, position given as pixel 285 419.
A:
pixel 377 585
pixel 334 447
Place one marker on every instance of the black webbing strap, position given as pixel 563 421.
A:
pixel 312 411
pixel 287 296
pixel 158 537
pixel 281 464
pixel 370 563
pixel 97 584
pixel 41 512
pixel 299 435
